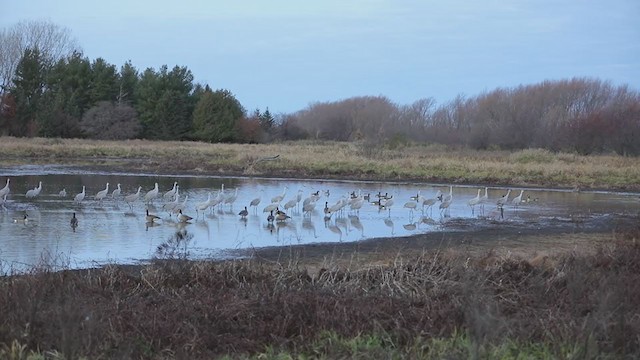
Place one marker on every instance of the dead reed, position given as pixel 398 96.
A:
pixel 579 305
pixel 533 167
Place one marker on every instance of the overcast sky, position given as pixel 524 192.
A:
pixel 286 55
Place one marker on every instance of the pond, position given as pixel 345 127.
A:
pixel 112 230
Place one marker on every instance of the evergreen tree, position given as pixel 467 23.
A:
pixel 216 115
pixel 28 88
pixel 128 78
pixel 104 82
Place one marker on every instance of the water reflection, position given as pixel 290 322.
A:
pixel 113 227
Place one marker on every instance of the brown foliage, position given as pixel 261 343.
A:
pixel 202 309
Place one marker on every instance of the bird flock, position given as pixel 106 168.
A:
pixel 277 209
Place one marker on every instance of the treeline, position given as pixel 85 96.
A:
pixel 58 94
pixel 578 115
pixel 50 89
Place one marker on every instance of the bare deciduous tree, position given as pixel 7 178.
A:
pixel 53 41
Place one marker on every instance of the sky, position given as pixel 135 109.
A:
pixel 287 55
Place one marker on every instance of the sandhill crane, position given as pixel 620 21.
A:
pixel 411 205
pixel 5 190
pixel 102 193
pixel 270 208
pixel 63 193
pixel 116 193
pixel 290 204
pixel 484 199
pixel 171 193
pixel 34 192
pixel 431 201
pixel 244 213
pixel 387 204
pixel 151 194
pixel 518 199
pixel 231 198
pixel 444 205
pixel 504 199
pixel 254 204
pixel 130 199
pixel 181 206
pixel 79 197
pixel 277 199
pixel 356 204
pixel 74 221
pixel 449 196
pixel 202 206
pixel 171 205
pixel 308 208
pixel 475 201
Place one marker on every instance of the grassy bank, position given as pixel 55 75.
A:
pixel 433 304
pixel 336 160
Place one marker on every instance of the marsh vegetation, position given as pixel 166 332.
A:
pixel 325 159
pixel 433 304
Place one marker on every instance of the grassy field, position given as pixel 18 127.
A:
pixel 535 167
pixel 434 304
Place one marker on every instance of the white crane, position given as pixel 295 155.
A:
pixel 277 199
pixel 151 194
pixel 475 201
pixel 34 192
pixel 171 193
pixel 130 199
pixel 116 193
pixel 518 199
pixel 102 193
pixel 79 197
pixel 503 199
pixel 5 190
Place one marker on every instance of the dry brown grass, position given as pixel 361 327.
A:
pixel 204 309
pixel 337 160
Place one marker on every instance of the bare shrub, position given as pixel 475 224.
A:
pixel 109 121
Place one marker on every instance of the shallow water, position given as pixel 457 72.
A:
pixel 110 231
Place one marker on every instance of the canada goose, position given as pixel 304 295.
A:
pixel 183 218
pixel 150 217
pixel 151 194
pixel 129 199
pixel 22 220
pixel 79 197
pixel 74 221
pixel 171 193
pixel 116 193
pixel 244 213
pixel 63 193
pixel 5 190
pixel 270 218
pixel 34 192
pixel 102 193
pixel 281 216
